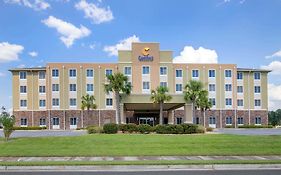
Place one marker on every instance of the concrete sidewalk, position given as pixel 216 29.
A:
pixel 136 158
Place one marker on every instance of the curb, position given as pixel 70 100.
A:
pixel 143 168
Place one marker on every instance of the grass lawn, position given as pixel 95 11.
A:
pixel 142 145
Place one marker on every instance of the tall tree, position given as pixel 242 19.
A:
pixel 160 96
pixel 119 85
pixel 194 90
pixel 203 103
pixel 88 102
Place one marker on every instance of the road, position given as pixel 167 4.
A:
pixel 45 133
pixel 197 172
pixel 241 131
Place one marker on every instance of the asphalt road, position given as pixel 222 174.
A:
pixel 257 131
pixel 197 172
pixel 45 133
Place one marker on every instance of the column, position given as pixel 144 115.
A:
pixel 188 113
pixel 122 113
pixel 171 116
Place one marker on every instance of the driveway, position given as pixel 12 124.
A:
pixel 257 131
pixel 45 133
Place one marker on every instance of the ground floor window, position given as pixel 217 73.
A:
pixel 196 121
pixel 258 120
pixel 73 121
pixel 23 121
pixel 228 121
pixel 42 122
pixel 56 121
pixel 212 120
pixel 127 120
pixel 179 120
pixel 240 121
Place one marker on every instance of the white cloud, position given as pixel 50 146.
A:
pixel 124 44
pixel 96 14
pixel 69 32
pixel 92 46
pixel 201 55
pixel 9 52
pixel 21 66
pixel 34 4
pixel 274 92
pixel 2 74
pixel 276 54
pixel 275 66
pixel 33 54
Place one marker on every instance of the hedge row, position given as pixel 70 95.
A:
pixel 29 128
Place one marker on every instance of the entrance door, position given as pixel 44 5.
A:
pixel 146 120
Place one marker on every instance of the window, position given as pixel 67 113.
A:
pixel 55 73
pixel 56 102
pixel 258 120
pixel 163 70
pixel 90 73
pixel 239 89
pixel 42 122
pixel 23 89
pixel 108 72
pixel 257 75
pixel 73 121
pixel 195 73
pixel 72 102
pixel 228 87
pixel 212 73
pixel 239 75
pixel 42 103
pixel 240 121
pixel 228 121
pixel 42 89
pixel 23 103
pixel 109 102
pixel 23 75
pixel 23 121
pixel 42 75
pixel 127 70
pixel 228 101
pixel 212 87
pixel 90 87
pixel 163 84
pixel 55 87
pixel 213 101
pixel 197 121
pixel 145 85
pixel 56 121
pixel 179 120
pixel 257 89
pixel 178 73
pixel 227 73
pixel 257 102
pixel 240 102
pixel 212 120
pixel 72 73
pixel 145 70
pixel 72 87
pixel 178 87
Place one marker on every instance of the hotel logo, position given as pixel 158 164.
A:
pixel 145 55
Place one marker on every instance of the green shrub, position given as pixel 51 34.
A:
pixel 229 126
pixel 94 129
pixel 174 129
pixel 255 126
pixel 189 128
pixel 200 129
pixel 110 128
pixel 131 127
pixel 30 128
pixel 160 129
pixel 209 129
pixel 144 128
pixel 123 128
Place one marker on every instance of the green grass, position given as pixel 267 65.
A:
pixel 142 145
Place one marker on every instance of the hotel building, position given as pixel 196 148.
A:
pixel 51 96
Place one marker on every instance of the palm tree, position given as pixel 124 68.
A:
pixel 204 103
pixel 192 92
pixel 160 96
pixel 88 102
pixel 119 85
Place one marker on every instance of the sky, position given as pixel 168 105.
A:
pixel 243 32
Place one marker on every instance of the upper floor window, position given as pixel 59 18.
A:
pixel 178 87
pixel 257 102
pixel 109 102
pixel 213 101
pixel 55 102
pixel 72 87
pixel 128 70
pixel 228 87
pixel 23 89
pixel 195 73
pixel 239 89
pixel 227 73
pixel 23 103
pixel 90 73
pixel 23 75
pixel 55 87
pixel 145 85
pixel 72 73
pixel 257 75
pixel 178 73
pixel 212 73
pixel 212 87
pixel 228 101
pixel 163 70
pixel 42 75
pixel 42 103
pixel 108 72
pixel 90 87
pixel 72 102
pixel 145 70
pixel 239 75
pixel 163 84
pixel 55 73
pixel 42 89
pixel 257 89
pixel 240 102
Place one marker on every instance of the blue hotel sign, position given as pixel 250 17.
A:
pixel 145 55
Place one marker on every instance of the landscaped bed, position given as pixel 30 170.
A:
pixel 142 145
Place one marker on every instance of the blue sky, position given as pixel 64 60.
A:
pixel 245 32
